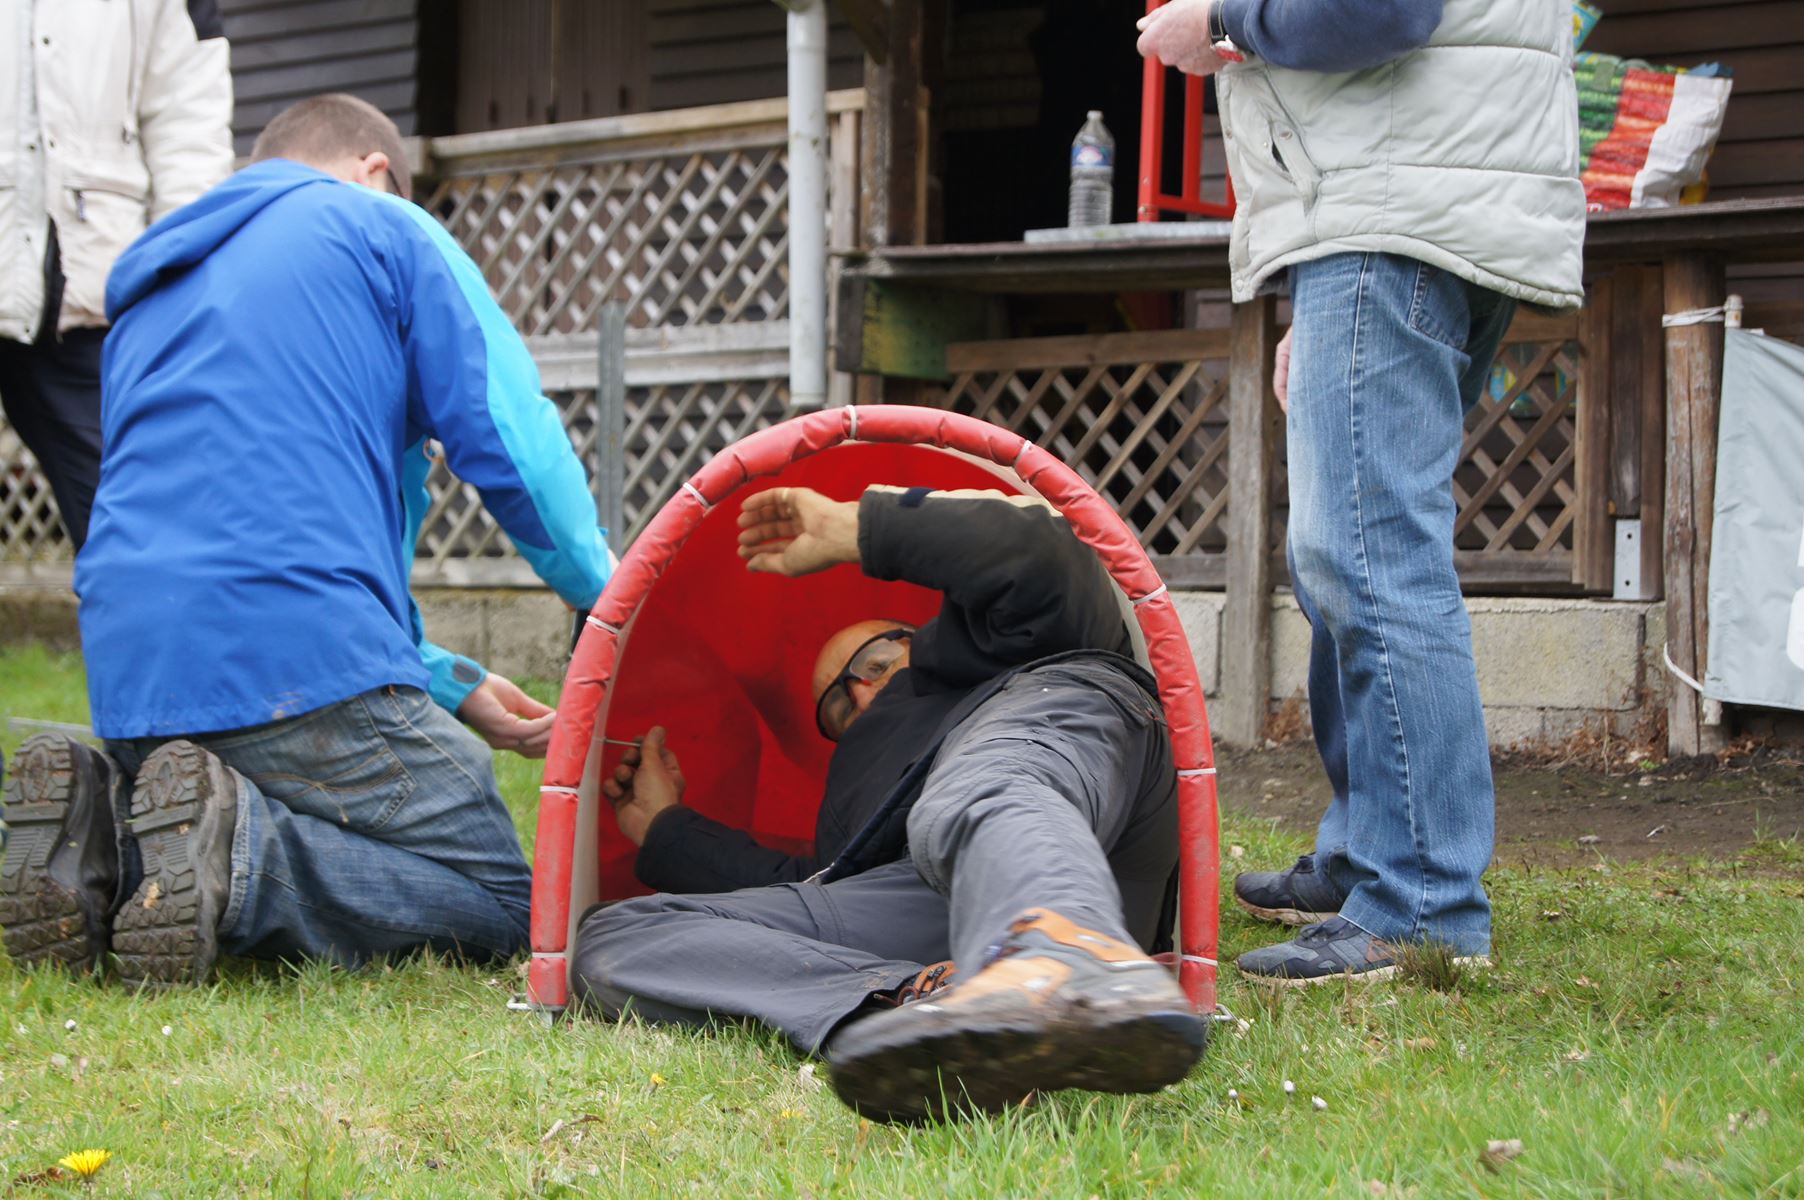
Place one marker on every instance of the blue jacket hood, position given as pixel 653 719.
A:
pixel 192 232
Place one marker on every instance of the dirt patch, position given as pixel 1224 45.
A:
pixel 1685 807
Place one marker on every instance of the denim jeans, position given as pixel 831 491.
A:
pixel 1387 356
pixel 369 827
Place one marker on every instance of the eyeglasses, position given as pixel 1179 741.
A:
pixel 874 658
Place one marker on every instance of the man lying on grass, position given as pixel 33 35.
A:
pixel 1001 795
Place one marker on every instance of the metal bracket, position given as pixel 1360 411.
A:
pixel 1626 583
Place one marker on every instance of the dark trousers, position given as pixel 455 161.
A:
pixel 51 391
pixel 1056 794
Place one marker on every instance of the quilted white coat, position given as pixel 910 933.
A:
pixel 112 113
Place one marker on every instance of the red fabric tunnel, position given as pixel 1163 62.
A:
pixel 686 637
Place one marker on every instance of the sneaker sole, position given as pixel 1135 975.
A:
pixel 1475 962
pixel 987 1069
pixel 1286 916
pixel 162 937
pixel 43 922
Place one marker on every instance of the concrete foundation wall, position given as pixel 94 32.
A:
pixel 1545 667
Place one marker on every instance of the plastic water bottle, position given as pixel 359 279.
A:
pixel 1092 174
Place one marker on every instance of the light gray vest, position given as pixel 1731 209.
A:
pixel 1463 154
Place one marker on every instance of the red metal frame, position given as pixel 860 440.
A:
pixel 1189 201
pixel 764 454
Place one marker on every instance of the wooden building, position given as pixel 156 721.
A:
pixel 617 168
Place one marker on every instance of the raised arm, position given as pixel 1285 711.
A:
pixel 1017 582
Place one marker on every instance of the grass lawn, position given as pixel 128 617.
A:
pixel 1640 1036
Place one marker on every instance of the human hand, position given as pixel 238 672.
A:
pixel 1177 34
pixel 797 531
pixel 507 718
pixel 1281 372
pixel 647 781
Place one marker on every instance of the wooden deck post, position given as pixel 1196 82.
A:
pixel 1246 677
pixel 1694 372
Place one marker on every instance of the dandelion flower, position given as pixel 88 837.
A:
pixel 85 1162
pixel 657 1080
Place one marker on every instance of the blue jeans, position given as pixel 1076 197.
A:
pixel 1387 356
pixel 369 827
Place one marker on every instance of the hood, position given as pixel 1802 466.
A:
pixel 190 233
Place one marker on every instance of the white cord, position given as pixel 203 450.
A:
pixel 1666 653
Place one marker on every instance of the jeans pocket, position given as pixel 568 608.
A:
pixel 1440 308
pixel 350 776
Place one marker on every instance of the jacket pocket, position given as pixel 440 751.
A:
pixel 100 214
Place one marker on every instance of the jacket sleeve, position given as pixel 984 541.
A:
pixel 1018 584
pixel 687 853
pixel 452 676
pixel 185 104
pixel 474 387
pixel 1330 35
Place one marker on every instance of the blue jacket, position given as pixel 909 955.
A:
pixel 281 350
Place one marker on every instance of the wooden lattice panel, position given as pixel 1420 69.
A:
pixel 1142 417
pixel 676 237
pixel 1514 484
pixel 673 429
pixel 30 530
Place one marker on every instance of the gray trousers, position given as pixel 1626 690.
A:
pixel 1055 794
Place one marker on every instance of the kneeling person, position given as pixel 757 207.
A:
pixel 282 350
pixel 1001 795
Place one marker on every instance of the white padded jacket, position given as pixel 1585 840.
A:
pixel 112 114
pixel 1463 154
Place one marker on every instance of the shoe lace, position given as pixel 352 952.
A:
pixel 932 978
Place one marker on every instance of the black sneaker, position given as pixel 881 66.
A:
pixel 1336 949
pixel 1297 896
pixel 1060 1007
pixel 60 878
pixel 184 811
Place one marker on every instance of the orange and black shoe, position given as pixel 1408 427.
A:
pixel 1057 1006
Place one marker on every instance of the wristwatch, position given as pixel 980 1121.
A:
pixel 1219 41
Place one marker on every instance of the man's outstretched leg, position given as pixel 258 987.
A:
pixel 1040 815
pixel 797 957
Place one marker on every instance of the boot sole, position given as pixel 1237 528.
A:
pixel 1474 962
pixel 165 936
pixel 42 921
pixel 1286 916
pixel 990 1068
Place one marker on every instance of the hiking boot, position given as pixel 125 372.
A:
pixel 1057 1006
pixel 1334 950
pixel 184 810
pixel 60 878
pixel 1299 895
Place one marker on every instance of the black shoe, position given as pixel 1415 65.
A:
pixel 1061 1007
pixel 60 879
pixel 1297 896
pixel 184 811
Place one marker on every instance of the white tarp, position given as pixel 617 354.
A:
pixel 1756 647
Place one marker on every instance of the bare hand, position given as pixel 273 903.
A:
pixel 1281 372
pixel 507 718
pixel 647 781
pixel 797 531
pixel 1177 34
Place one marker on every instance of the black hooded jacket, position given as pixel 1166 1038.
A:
pixel 1020 591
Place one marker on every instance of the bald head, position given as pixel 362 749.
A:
pixel 840 648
